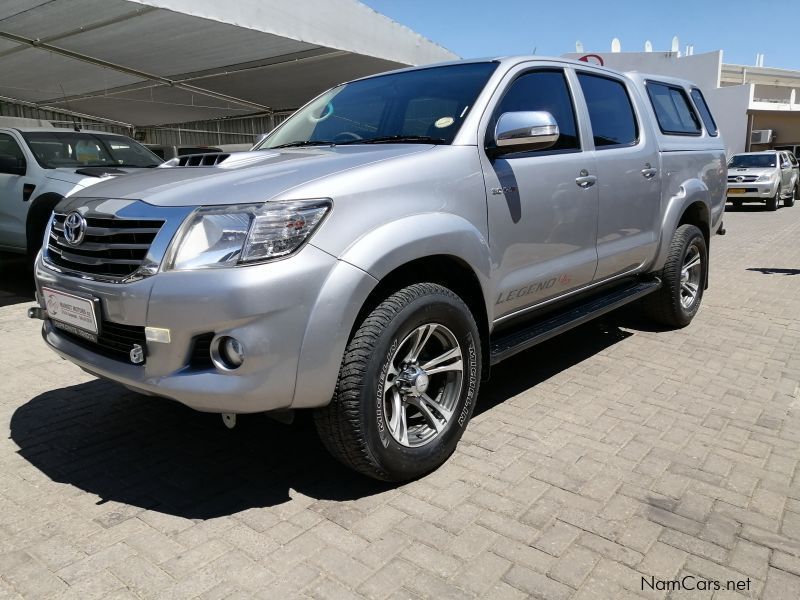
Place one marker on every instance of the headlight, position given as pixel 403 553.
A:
pixel 766 177
pixel 226 236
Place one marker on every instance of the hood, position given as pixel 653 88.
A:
pixel 245 177
pixel 734 171
pixel 85 176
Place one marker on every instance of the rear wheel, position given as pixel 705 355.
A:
pixel 407 385
pixel 682 279
pixel 790 200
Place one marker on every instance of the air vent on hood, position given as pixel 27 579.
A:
pixel 198 160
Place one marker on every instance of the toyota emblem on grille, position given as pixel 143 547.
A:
pixel 74 228
pixel 740 178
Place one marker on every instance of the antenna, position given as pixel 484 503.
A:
pixel 648 46
pixel 616 46
pixel 75 125
pixel 579 47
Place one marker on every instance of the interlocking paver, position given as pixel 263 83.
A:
pixel 610 453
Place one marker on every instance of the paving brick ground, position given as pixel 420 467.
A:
pixel 613 453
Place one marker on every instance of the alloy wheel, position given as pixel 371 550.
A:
pixel 422 385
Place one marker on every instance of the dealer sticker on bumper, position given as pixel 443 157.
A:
pixel 71 313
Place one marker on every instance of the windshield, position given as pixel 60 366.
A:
pixel 54 149
pixel 757 161
pixel 422 106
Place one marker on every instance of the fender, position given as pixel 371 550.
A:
pixel 38 216
pixel 359 270
pixel 691 191
pixel 394 244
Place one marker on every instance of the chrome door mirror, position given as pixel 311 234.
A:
pixel 523 131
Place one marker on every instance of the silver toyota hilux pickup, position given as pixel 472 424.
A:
pixel 375 254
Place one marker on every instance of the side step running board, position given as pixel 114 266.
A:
pixel 536 333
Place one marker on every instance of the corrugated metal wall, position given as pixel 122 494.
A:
pixel 237 130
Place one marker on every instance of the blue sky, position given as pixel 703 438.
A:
pixel 473 28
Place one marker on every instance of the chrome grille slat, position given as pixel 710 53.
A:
pixel 113 248
pixel 99 247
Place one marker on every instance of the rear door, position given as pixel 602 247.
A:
pixel 628 173
pixel 542 211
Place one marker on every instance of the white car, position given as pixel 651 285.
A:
pixel 41 165
pixel 768 177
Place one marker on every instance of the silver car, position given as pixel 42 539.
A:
pixel 768 177
pixel 377 253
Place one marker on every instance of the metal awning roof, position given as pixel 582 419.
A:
pixel 149 62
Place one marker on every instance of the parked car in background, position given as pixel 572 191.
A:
pixel 41 165
pixel 168 152
pixel 388 243
pixel 769 177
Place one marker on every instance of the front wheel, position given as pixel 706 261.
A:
pixel 407 386
pixel 775 201
pixel 682 279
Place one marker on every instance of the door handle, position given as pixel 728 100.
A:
pixel 586 181
pixel 649 172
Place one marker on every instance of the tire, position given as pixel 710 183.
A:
pixel 790 200
pixel 669 305
pixel 361 427
pixel 775 201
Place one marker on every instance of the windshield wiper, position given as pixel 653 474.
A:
pixel 397 139
pixel 299 143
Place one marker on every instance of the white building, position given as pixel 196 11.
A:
pixel 755 107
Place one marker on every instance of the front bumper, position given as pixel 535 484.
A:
pixel 752 190
pixel 266 307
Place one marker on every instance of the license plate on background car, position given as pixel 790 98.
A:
pixel 736 190
pixel 71 313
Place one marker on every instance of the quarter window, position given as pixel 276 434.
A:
pixel 543 90
pixel 673 112
pixel 610 111
pixel 704 111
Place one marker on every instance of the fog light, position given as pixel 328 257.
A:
pixel 228 353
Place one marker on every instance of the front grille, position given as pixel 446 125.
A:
pixel 746 178
pixel 114 341
pixel 111 247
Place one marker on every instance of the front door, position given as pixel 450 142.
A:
pixel 542 205
pixel 628 173
pixel 13 209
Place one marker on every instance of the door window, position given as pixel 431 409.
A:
pixel 543 90
pixel 610 111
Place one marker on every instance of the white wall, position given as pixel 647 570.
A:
pixel 702 69
pixel 729 106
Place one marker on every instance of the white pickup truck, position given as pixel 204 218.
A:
pixel 41 164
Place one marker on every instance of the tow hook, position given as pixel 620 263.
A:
pixel 36 312
pixel 229 419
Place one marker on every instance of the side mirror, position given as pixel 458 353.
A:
pixel 11 165
pixel 524 131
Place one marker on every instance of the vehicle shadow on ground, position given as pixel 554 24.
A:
pixel 159 455
pixel 775 271
pixel 16 280
pixel 749 207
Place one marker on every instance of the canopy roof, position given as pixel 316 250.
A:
pixel 150 62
